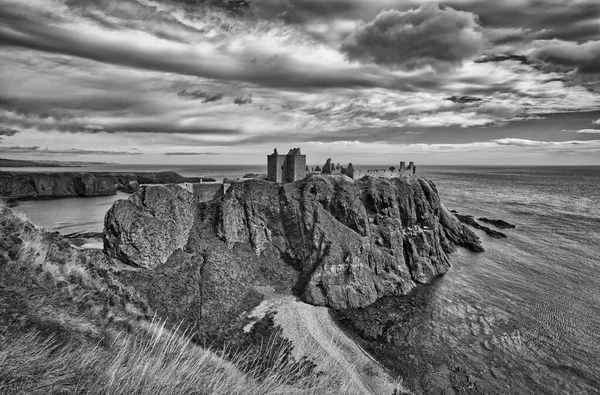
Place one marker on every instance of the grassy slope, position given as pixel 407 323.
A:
pixel 68 326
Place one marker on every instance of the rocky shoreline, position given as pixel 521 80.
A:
pixel 27 185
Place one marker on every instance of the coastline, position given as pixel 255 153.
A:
pixel 510 281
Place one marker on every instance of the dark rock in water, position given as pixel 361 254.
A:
pixel 23 185
pixel 498 223
pixel 469 220
pixel 336 242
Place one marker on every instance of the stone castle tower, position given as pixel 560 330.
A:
pixel 286 168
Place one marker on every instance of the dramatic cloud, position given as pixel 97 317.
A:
pixel 464 99
pixel 243 99
pixel 206 97
pixel 8 132
pixel 503 58
pixel 174 77
pixel 246 61
pixel 428 36
pixel 583 57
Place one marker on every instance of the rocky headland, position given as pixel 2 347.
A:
pixel 26 185
pixel 260 264
pixel 331 240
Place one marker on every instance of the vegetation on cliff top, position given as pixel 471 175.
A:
pixel 69 326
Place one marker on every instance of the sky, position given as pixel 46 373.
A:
pixel 503 82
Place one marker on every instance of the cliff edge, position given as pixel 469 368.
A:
pixel 24 185
pixel 334 241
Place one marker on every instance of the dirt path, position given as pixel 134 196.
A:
pixel 315 335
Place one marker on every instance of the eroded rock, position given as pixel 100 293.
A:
pixel 150 226
pixel 336 242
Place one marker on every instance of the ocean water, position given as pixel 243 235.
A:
pixel 521 318
pixel 524 316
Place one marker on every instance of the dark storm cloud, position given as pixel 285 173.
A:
pixel 243 99
pixel 8 132
pixel 36 150
pixel 503 58
pixel 427 36
pixel 544 19
pixel 583 57
pixel 464 99
pixel 537 19
pixel 206 97
pixel 177 153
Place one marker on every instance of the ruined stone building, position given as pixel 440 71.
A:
pixel 286 168
pixel 411 169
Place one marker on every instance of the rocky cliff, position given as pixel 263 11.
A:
pixel 336 242
pixel 21 185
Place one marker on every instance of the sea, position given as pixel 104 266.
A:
pixel 523 317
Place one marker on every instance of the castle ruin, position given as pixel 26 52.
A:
pixel 286 168
pixel 411 169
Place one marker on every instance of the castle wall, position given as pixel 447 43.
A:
pixel 275 167
pixel 295 168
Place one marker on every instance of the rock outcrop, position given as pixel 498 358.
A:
pixel 22 185
pixel 336 242
pixel 157 220
pixel 469 220
pixel 498 223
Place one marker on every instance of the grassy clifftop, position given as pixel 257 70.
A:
pixel 69 326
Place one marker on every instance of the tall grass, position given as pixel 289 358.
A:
pixel 60 265
pixel 157 361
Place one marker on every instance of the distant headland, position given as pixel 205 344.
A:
pixel 30 163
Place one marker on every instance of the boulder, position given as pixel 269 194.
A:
pixel 147 228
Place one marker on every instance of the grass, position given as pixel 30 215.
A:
pixel 68 327
pixel 155 361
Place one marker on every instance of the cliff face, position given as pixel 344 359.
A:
pixel 20 185
pixel 337 242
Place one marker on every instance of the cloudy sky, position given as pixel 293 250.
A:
pixel 367 81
